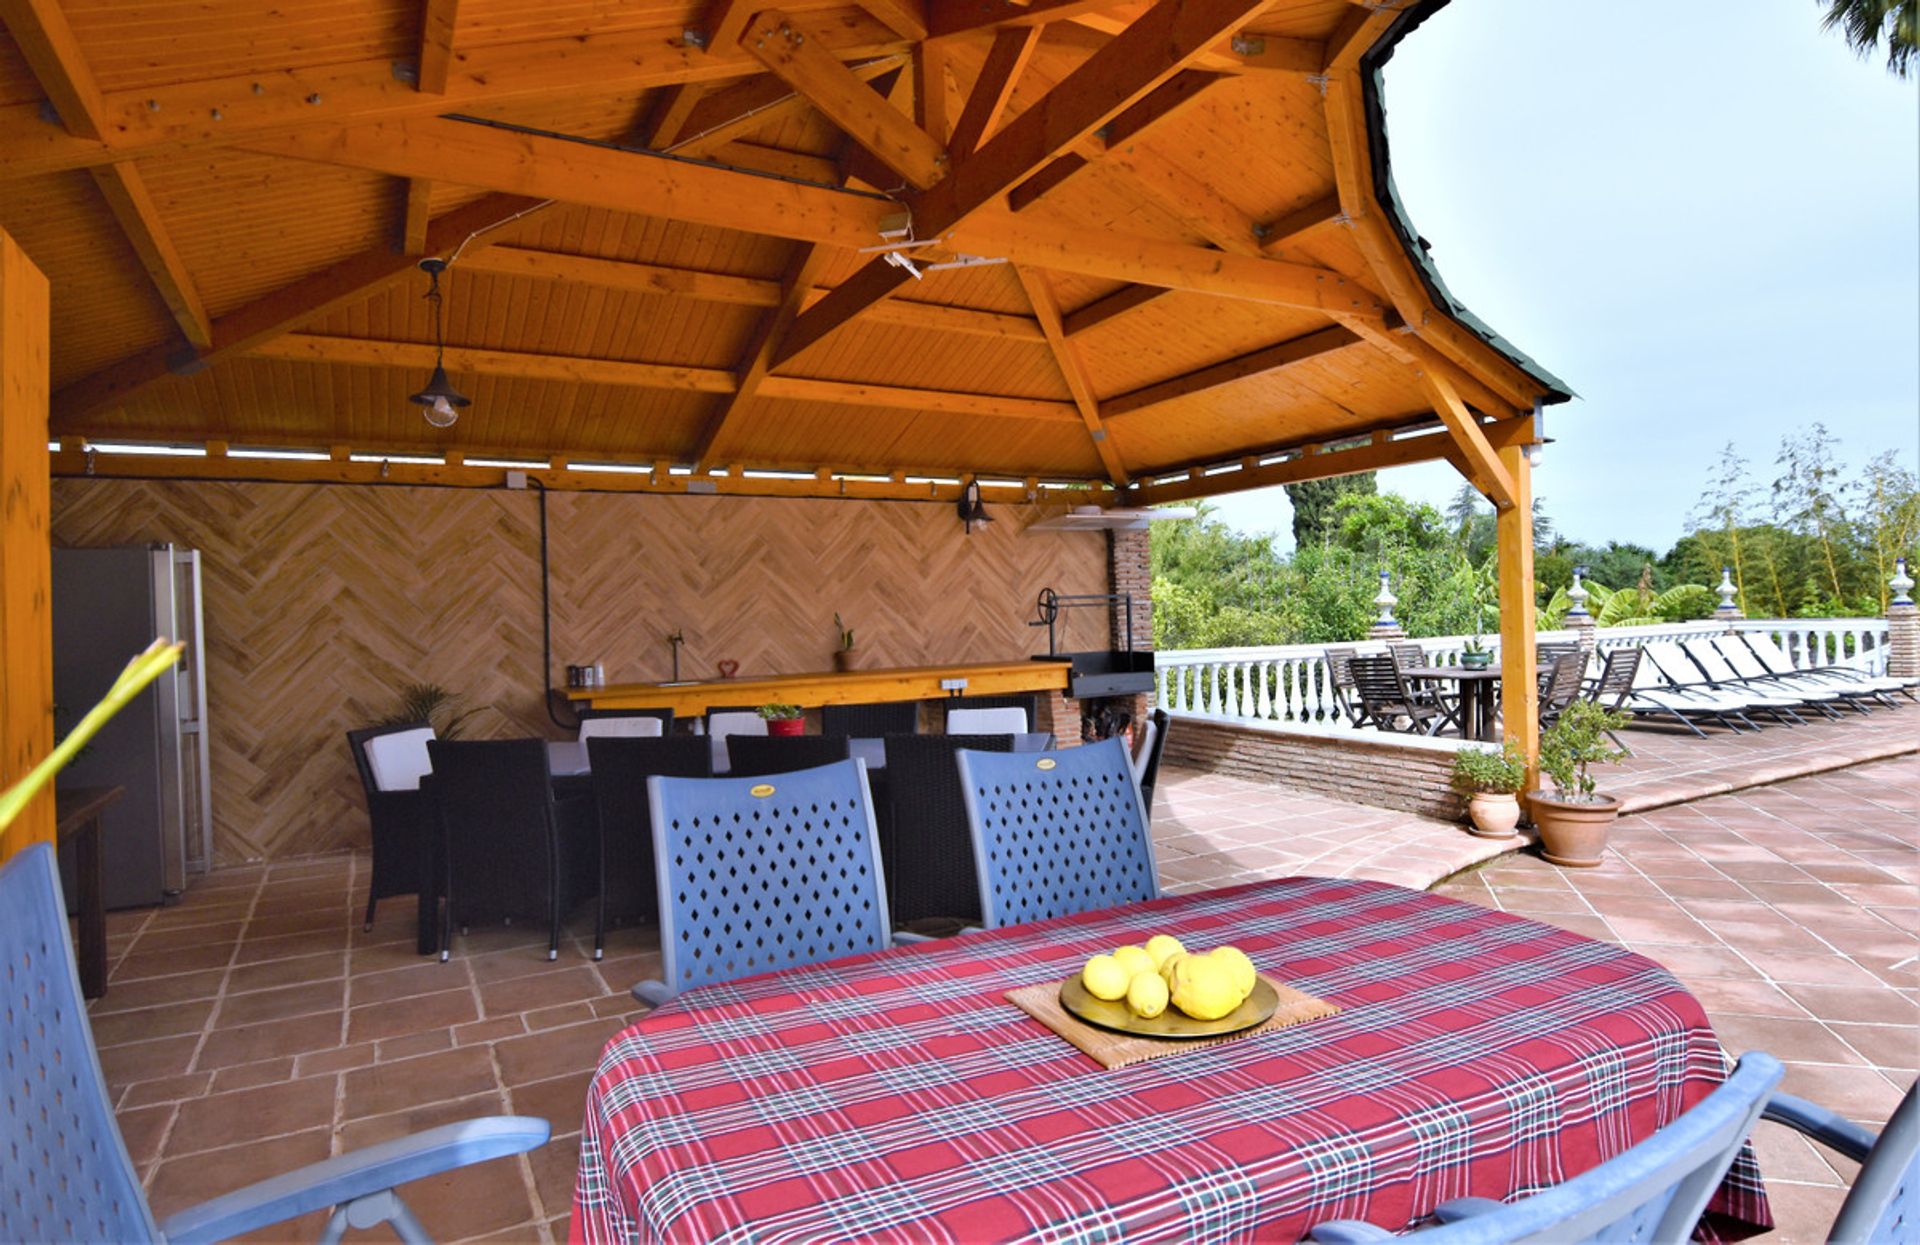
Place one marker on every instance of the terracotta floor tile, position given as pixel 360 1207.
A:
pixel 182 938
pixel 410 1015
pixel 1801 1041
pixel 147 1061
pixel 373 1129
pixel 398 983
pixel 339 1059
pixel 1853 1003
pixel 167 1020
pixel 281 1003
pixel 182 1182
pixel 143 1129
pixel 1893 1047
pixel 251 1114
pixel 252 1043
pixel 473 1200
pixel 412 1083
pixel 288 972
pixel 556 1052
pixel 250 1075
pixel 165 1089
pixel 1859 1093
pixel 139 964
pixel 549 989
pixel 411 1045
pixel 286 946
pixel 126 996
pixel 1698 960
pixel 555 1165
pixel 1738 996
pixel 561 1101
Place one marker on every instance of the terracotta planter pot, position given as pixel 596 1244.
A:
pixel 1495 814
pixel 786 726
pixel 1573 834
pixel 846 659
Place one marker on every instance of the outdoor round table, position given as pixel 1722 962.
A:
pixel 899 1095
pixel 1477 696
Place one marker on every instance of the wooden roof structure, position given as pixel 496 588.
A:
pixel 1147 247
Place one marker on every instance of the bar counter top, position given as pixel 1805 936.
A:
pixel 691 697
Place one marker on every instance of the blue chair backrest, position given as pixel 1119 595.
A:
pixel 1881 1204
pixel 64 1171
pixel 1056 833
pixel 758 874
pixel 1655 1191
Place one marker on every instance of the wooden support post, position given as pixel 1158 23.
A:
pixel 1519 689
pixel 26 572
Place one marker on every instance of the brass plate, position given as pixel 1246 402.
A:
pixel 1172 1023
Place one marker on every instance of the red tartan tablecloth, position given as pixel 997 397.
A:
pixel 900 1096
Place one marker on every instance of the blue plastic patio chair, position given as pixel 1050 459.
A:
pixel 763 873
pixel 1880 1206
pixel 1057 833
pixel 67 1175
pixel 1656 1191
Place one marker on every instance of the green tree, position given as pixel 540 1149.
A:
pixel 1723 507
pixel 1887 502
pixel 1865 22
pixel 1314 501
pixel 1806 498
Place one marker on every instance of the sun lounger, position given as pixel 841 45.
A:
pixel 1655 695
pixel 1700 650
pixel 1740 659
pixel 1670 663
pixel 1768 650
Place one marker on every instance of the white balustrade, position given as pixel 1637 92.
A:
pixel 1291 683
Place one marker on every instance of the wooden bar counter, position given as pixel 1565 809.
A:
pixel 690 698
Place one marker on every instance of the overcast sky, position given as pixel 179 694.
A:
pixel 1704 218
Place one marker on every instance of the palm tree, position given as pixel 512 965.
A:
pixel 1862 22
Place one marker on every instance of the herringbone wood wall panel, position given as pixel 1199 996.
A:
pixel 321 601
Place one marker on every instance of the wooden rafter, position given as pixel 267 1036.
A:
pixel 931 71
pixel 758 360
pixel 1154 49
pixel 794 52
pixel 1374 455
pixel 956 17
pixel 850 298
pixel 1006 60
pixel 40 29
pixel 416 213
pixel 215 112
pixel 1167 100
pixel 1046 309
pixel 1110 306
pixel 1282 232
pixel 1483 463
pixel 1269 359
pixel 438 21
pixel 906 18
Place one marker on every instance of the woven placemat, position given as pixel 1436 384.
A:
pixel 1116 1050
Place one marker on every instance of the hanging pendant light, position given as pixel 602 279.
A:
pixel 441 400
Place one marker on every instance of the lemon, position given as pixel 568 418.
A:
pixel 1160 946
pixel 1236 959
pixel 1203 988
pixel 1147 995
pixel 1105 977
pixel 1172 961
pixel 1134 959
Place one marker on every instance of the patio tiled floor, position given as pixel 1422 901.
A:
pixel 1790 912
pixel 253 1027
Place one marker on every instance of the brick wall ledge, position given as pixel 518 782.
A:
pixel 1411 773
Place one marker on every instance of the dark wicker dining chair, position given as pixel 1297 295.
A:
pixel 924 842
pixel 501 853
pixel 871 721
pixel 401 817
pixel 624 842
pixel 751 755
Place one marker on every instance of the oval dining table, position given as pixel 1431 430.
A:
pixel 900 1096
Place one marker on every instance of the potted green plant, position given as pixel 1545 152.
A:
pixel 784 719
pixel 1573 820
pixel 1475 655
pixel 844 656
pixel 1492 782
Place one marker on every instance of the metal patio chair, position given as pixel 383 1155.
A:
pixel 68 1177
pixel 1386 699
pixel 1056 833
pixel 1655 1191
pixel 1881 1205
pixel 758 874
pixel 1146 760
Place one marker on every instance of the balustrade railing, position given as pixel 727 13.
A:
pixel 1290 683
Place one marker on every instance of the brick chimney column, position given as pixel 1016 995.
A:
pixel 1903 626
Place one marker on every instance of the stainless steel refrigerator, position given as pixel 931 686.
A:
pixel 108 604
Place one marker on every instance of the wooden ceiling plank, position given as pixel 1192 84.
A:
pixel 126 194
pixel 439 19
pixel 793 51
pixel 1006 61
pixel 1373 456
pixel 346 282
pixel 415 215
pixel 1191 200
pixel 1046 310
pixel 906 18
pixel 179 116
pixel 1165 101
pixel 849 299
pixel 1484 467
pixel 40 30
pixel 1274 358
pixel 807 389
pixel 1108 306
pixel 955 17
pixel 759 358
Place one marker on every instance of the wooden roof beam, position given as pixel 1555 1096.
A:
pixel 906 18
pixel 221 111
pixel 1005 62
pixel 956 17
pixel 526 365
pixel 1483 465
pixel 40 29
pixel 416 214
pixel 758 360
pixel 1154 49
pixel 1282 232
pixel 1374 455
pixel 1167 100
pixel 796 54
pixel 1046 309
pixel 1269 359
pixel 1110 306
pixel 438 21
